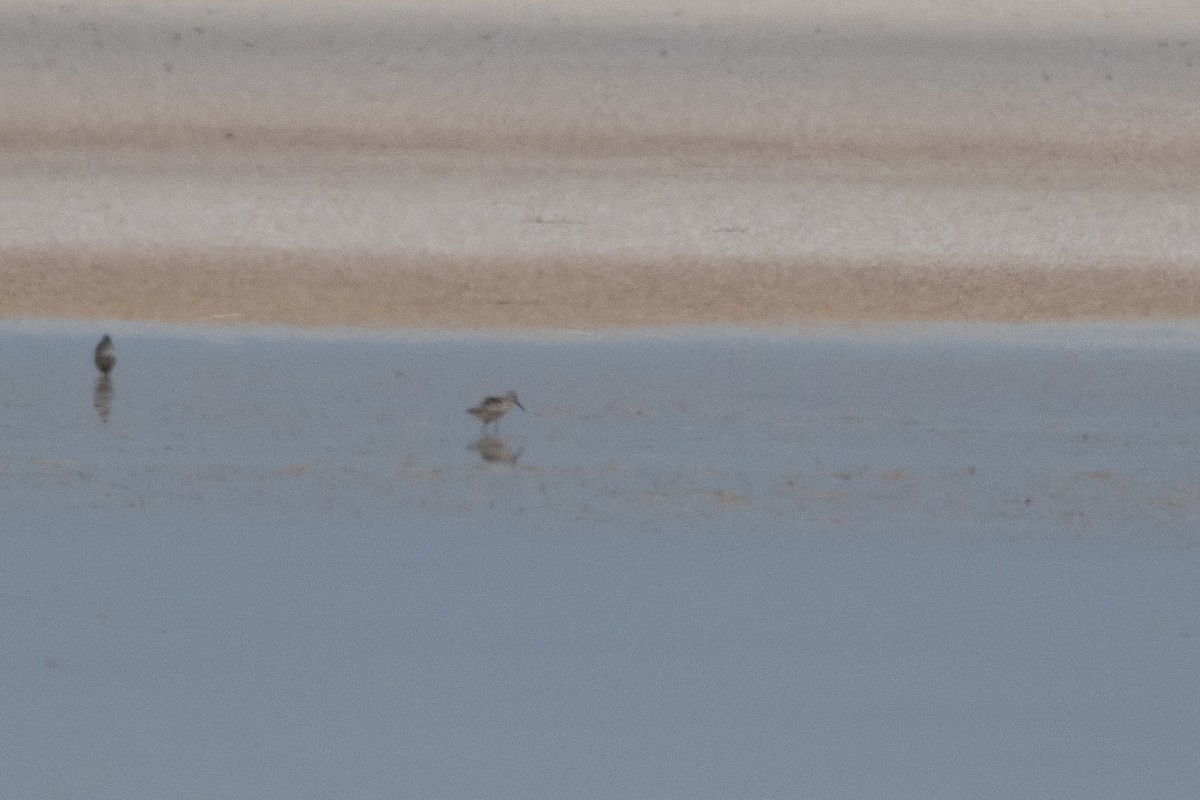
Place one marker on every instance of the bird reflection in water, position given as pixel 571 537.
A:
pixel 102 397
pixel 493 450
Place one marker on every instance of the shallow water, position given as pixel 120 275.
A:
pixel 935 562
pixel 953 433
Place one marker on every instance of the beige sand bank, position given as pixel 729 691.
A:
pixel 574 165
pixel 319 289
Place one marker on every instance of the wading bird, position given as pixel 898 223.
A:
pixel 106 355
pixel 491 409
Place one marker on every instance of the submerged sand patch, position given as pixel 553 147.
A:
pixel 315 288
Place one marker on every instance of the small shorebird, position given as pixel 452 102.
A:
pixel 106 355
pixel 491 409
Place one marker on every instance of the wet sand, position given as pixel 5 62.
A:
pixel 374 291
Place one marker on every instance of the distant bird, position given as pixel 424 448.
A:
pixel 491 409
pixel 106 355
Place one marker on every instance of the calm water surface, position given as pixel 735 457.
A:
pixel 1087 430
pixel 942 563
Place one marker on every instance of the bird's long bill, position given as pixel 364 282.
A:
pixel 518 402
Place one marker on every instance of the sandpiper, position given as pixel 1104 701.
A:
pixel 491 409
pixel 106 355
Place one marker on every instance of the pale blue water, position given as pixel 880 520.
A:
pixel 938 562
pixel 946 433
